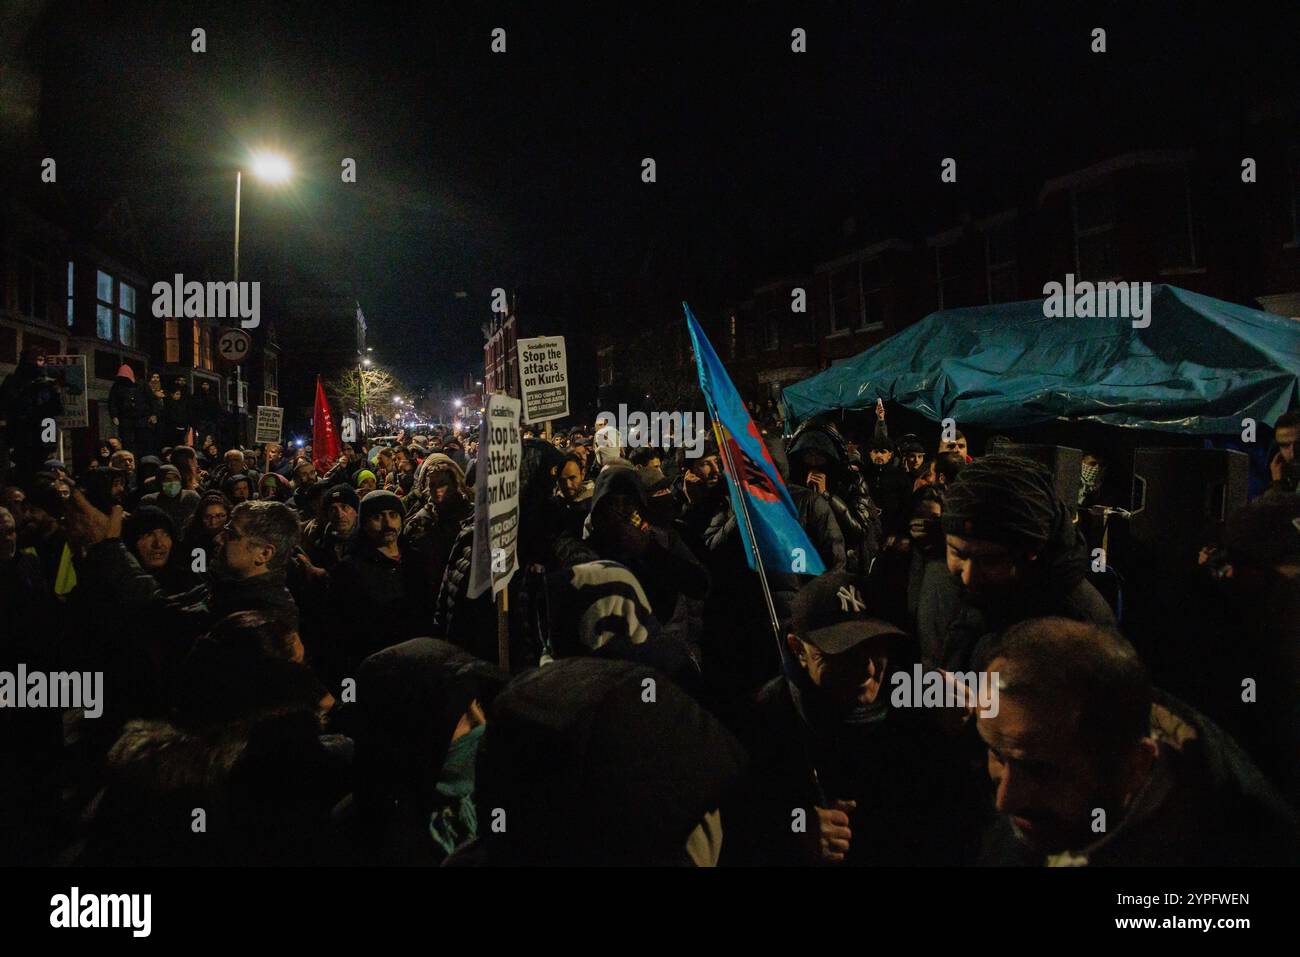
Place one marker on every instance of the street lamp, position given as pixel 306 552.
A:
pixel 272 168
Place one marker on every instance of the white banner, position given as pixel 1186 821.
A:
pixel 496 497
pixel 543 379
pixel 270 423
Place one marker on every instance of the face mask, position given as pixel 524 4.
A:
pixel 171 489
pixel 1092 475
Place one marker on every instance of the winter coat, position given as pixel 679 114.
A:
pixel 847 494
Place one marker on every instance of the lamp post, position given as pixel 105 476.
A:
pixel 273 169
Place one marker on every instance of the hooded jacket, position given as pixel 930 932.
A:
pixel 846 493
pixel 124 397
pixel 410 697
pixel 587 774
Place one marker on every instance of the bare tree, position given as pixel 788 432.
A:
pixel 358 387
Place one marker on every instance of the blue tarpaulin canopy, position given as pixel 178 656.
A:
pixel 1199 368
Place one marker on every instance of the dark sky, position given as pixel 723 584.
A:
pixel 478 170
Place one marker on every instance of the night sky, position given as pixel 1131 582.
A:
pixel 478 170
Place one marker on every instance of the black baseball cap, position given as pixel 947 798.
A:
pixel 834 614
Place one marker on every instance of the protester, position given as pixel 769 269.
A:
pixel 1093 767
pixel 575 761
pixel 177 502
pixel 421 717
pixel 1013 554
pixel 28 398
pixel 375 582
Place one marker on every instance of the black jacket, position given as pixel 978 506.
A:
pixel 846 491
pixel 918 790
pixel 378 601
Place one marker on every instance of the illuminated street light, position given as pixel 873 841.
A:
pixel 271 167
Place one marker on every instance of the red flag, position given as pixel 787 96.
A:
pixel 325 447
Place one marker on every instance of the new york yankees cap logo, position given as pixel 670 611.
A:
pixel 850 598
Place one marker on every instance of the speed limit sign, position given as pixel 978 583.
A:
pixel 233 345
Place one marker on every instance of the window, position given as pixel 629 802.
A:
pixel 171 341
pixel 873 294
pixel 103 305
pixel 126 316
pixel 69 293
pixel 1000 261
pixel 846 297
pixel 195 352
pixel 104 322
pixel 33 290
pixel 271 373
pixel 1094 228
pixel 1177 239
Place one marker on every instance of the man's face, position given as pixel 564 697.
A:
pixel 913 460
pixel 154 548
pixel 306 475
pixel 343 517
pixel 117 490
pixel 235 462
pixel 242 555
pixel 440 486
pixel 956 445
pixel 570 480
pixel 240 492
pixel 123 460
pixel 985 568
pixel 1287 439
pixel 1041 774
pixel 15 500
pixel 382 528
pixel 851 679
pixel 707 469
pixel 115 445
pixel 8 536
pixel 880 456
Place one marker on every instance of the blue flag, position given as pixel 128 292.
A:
pixel 758 489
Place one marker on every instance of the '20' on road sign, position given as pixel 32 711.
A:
pixel 234 344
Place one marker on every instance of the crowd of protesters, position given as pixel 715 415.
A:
pixel 295 672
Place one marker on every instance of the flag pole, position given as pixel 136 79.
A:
pixel 725 448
